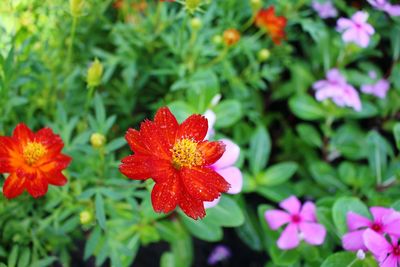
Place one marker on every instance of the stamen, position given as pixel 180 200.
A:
pixel 185 154
pixel 32 152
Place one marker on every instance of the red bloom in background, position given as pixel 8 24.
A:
pixel 274 25
pixel 178 160
pixel 33 161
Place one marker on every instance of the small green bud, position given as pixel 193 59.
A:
pixel 196 24
pixel 263 55
pixel 94 73
pixel 76 7
pixel 217 39
pixel 97 140
pixel 256 4
pixel 192 5
pixel 85 217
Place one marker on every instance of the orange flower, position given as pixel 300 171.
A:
pixel 33 161
pixel 274 25
pixel 179 161
pixel 231 37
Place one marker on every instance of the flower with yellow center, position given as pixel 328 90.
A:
pixel 33 152
pixel 185 154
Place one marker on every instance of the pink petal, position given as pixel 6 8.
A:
pixel 231 155
pixel 234 177
pixel 211 204
pixel 376 243
pixel 313 233
pixel 289 238
pixel 355 221
pixel 307 212
pixel 349 35
pixel 390 261
pixel 276 218
pixel 343 24
pixel 363 39
pixel 360 17
pixel 378 213
pixel 353 241
pixel 291 204
pixel 334 75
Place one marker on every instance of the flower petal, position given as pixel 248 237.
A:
pixel 376 243
pixel 211 151
pixel 192 207
pixel 13 186
pixel 211 204
pixel 151 138
pixel 165 196
pixel 390 261
pixel 291 204
pixel 135 167
pixel 195 127
pixel 231 155
pixel 313 233
pixel 289 238
pixel 134 140
pixel 276 218
pixel 167 123
pixel 378 213
pixel 355 221
pixel 37 186
pixel 22 133
pixel 353 241
pixel 56 178
pixel 234 177
pixel 308 212
pixel 203 183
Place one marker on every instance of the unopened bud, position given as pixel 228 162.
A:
pixel 85 217
pixel 263 55
pixel 192 5
pixel 360 254
pixel 94 73
pixel 97 140
pixel 256 4
pixel 196 24
pixel 217 39
pixel 231 37
pixel 76 7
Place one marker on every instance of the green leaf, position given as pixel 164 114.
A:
pixel 45 262
pixel 12 258
pixel 340 209
pixel 167 260
pixel 91 243
pixel 396 132
pixel 228 112
pixel 181 110
pixel 342 259
pixel 24 258
pixel 306 108
pixel 277 174
pixel 100 214
pixel 99 109
pixel 226 213
pixel 260 149
pixel 325 175
pixel 309 134
pixel 115 144
pixel 202 229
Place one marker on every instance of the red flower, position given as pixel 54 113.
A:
pixel 33 161
pixel 178 160
pixel 274 25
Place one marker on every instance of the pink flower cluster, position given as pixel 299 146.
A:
pixel 384 5
pixel 379 235
pixel 356 30
pixel 301 221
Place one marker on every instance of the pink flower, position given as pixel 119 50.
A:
pixel 335 87
pixel 384 221
pixel 225 167
pixel 301 223
pixel 356 29
pixel 387 254
pixel 324 10
pixel 219 253
pixel 384 5
pixel 378 89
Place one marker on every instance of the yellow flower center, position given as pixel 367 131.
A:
pixel 33 151
pixel 185 154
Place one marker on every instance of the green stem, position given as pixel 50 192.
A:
pixel 71 44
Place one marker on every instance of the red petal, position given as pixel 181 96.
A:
pixel 53 142
pixel 55 163
pixel 195 127
pixel 13 186
pixel 165 196
pixel 56 178
pixel 212 151
pixel 22 133
pixel 168 124
pixel 135 143
pixel 161 170
pixel 7 144
pixel 151 136
pixel 5 166
pixel 192 207
pixel 135 167
pixel 37 186
pixel 203 183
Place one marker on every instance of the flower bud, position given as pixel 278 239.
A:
pixel 196 24
pixel 94 73
pixel 360 254
pixel 217 39
pixel 97 140
pixel 231 37
pixel 192 5
pixel 263 55
pixel 256 4
pixel 85 217
pixel 76 7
